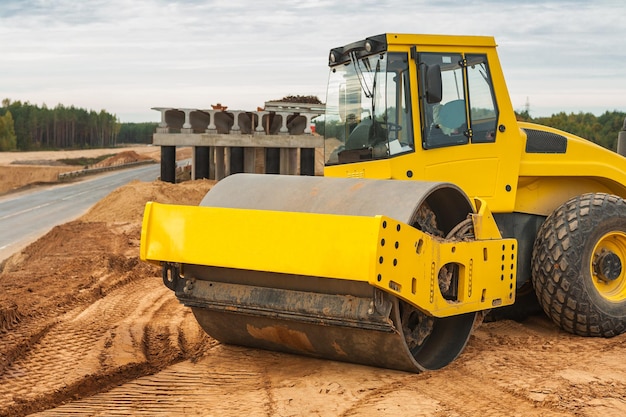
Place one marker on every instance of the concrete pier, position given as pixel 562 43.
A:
pixel 277 139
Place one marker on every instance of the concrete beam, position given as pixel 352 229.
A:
pixel 245 141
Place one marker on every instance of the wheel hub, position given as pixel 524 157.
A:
pixel 607 266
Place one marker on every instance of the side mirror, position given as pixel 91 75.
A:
pixel 433 87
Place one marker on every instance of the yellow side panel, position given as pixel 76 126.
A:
pixel 477 176
pixel 409 264
pixel 547 180
pixel 542 195
pixel 260 240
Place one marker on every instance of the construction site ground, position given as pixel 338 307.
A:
pixel 86 328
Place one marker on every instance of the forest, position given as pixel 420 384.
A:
pixel 27 127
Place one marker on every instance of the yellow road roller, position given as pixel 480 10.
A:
pixel 436 207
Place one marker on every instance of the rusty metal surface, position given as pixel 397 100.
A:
pixel 341 310
pixel 332 335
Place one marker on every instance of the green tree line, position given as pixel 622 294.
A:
pixel 61 127
pixel 24 127
pixel 601 129
pixel 8 140
pixel 136 132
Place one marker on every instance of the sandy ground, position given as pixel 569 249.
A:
pixel 23 169
pixel 7 158
pixel 86 328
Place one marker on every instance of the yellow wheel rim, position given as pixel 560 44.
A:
pixel 608 266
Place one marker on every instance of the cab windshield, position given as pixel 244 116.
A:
pixel 368 113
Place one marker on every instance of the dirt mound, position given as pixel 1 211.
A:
pixel 15 177
pixel 122 158
pixel 126 204
pixel 23 169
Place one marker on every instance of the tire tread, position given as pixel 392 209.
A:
pixel 557 266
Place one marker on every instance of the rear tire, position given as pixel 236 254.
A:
pixel 579 265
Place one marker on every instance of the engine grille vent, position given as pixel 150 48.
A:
pixel 538 141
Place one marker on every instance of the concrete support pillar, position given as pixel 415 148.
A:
pixel 236 129
pixel 260 130
pixel 259 160
pixel 168 164
pixel 249 156
pixel 162 127
pixel 186 128
pixel 307 161
pixel 307 129
pixel 220 162
pixel 162 110
pixel 236 160
pixel 193 162
pixel 283 129
pixel 212 163
pixel 201 162
pixel 288 161
pixel 211 128
pixel 272 160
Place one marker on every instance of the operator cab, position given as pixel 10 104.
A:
pixel 369 113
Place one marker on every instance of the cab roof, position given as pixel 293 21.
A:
pixel 380 43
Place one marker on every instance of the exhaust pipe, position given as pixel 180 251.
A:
pixel 621 140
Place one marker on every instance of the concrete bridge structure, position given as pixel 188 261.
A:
pixel 278 139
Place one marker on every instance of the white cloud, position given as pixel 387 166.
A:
pixel 126 57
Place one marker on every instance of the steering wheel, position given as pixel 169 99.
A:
pixel 392 127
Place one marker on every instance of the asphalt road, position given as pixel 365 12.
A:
pixel 27 215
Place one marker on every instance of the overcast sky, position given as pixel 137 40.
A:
pixel 128 56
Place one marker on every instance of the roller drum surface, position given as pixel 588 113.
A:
pixel 322 317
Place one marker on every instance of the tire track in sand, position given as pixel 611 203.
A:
pixel 101 339
pixel 501 373
pixel 225 382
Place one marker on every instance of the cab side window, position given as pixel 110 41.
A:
pixel 445 122
pixel 483 111
pixel 467 111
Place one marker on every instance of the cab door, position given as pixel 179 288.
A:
pixel 467 135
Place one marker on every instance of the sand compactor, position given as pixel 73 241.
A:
pixel 390 274
pixel 435 207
